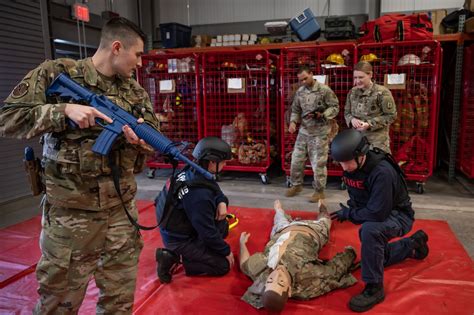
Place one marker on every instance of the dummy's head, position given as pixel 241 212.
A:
pixel 277 289
pixel 211 153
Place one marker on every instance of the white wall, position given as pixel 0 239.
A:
pixel 419 5
pixel 231 11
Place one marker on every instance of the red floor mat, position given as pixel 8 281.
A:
pixel 442 283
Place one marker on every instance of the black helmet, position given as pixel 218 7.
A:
pixel 212 149
pixel 348 145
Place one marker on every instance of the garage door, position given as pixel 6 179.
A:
pixel 24 44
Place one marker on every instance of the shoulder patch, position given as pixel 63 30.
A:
pixel 20 90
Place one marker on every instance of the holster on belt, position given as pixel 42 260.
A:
pixel 34 171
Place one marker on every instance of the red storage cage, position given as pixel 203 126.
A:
pixel 412 72
pixel 238 87
pixel 466 134
pixel 172 81
pixel 332 64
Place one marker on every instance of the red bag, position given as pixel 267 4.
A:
pixel 415 27
pixel 397 27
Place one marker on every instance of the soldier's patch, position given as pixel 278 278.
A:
pixel 20 90
pixel 389 105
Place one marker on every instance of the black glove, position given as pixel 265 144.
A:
pixel 342 214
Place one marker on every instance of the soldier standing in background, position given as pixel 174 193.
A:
pixel 370 108
pixel 289 265
pixel 85 230
pixel 313 105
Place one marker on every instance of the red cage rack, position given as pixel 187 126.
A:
pixel 332 64
pixel 239 98
pixel 172 81
pixel 466 132
pixel 414 134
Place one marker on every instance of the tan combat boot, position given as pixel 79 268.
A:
pixel 293 191
pixel 318 195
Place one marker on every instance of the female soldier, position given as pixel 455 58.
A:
pixel 370 108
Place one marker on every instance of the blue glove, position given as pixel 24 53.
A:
pixel 342 214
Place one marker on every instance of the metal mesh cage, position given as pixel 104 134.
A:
pixel 466 140
pixel 172 81
pixel 239 91
pixel 413 136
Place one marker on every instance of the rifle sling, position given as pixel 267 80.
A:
pixel 116 178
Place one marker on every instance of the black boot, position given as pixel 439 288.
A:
pixel 166 260
pixel 420 247
pixel 373 294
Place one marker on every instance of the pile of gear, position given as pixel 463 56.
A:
pixel 244 147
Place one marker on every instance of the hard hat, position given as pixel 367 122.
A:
pixel 178 99
pixel 348 145
pixel 336 59
pixel 369 57
pixel 409 59
pixel 212 149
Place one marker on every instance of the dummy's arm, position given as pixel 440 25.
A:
pixel 244 252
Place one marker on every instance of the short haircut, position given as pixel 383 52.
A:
pixel 363 66
pixel 273 301
pixel 304 68
pixel 119 28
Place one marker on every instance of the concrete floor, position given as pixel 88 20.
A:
pixel 452 202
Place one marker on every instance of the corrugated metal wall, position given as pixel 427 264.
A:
pixel 22 47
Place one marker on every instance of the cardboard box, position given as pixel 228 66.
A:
pixel 436 17
pixel 469 5
pixel 469 25
pixel 202 40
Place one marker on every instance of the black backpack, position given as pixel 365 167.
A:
pixel 451 21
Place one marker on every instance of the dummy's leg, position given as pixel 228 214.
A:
pixel 281 219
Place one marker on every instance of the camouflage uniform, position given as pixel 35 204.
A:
pixel 375 106
pixel 296 245
pixel 85 229
pixel 312 139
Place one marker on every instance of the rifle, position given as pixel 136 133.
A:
pixel 316 114
pixel 65 87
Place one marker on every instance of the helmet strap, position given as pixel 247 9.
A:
pixel 217 170
pixel 359 164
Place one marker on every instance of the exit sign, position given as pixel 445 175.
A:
pixel 80 12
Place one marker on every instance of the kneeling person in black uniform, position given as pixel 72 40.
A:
pixel 191 213
pixel 379 201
